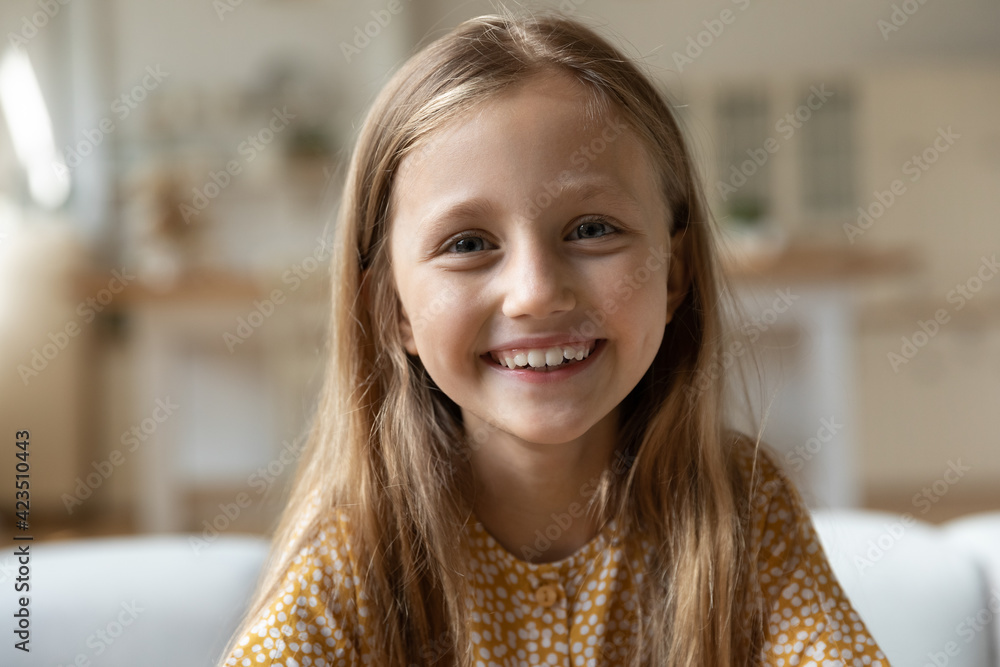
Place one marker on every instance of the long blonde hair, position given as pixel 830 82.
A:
pixel 388 447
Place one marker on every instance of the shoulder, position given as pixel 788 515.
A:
pixel 779 523
pixel 761 474
pixel 320 531
pixel 314 607
pixel 320 559
pixel 800 594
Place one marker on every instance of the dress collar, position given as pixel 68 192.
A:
pixel 489 550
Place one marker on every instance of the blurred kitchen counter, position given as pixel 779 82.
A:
pixel 203 285
pixel 812 262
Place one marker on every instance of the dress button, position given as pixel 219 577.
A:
pixel 546 595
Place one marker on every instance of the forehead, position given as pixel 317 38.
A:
pixel 533 141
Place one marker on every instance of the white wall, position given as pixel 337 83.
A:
pixel 944 403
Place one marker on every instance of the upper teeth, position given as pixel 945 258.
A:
pixel 538 357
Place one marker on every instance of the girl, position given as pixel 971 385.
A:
pixel 519 455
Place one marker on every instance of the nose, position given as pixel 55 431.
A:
pixel 537 282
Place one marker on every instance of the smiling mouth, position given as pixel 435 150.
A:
pixel 545 359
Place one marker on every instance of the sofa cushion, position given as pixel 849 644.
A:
pixel 912 586
pixel 979 534
pixel 121 602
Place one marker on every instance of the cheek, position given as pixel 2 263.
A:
pixel 630 282
pixel 441 316
pixel 413 314
pixel 641 314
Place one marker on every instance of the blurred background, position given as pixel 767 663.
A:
pixel 169 172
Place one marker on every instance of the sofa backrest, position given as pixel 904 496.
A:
pixel 122 602
pixel 922 590
pixel 929 595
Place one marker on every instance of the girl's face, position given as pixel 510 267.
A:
pixel 522 234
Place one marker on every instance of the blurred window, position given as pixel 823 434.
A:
pixel 827 157
pixel 742 118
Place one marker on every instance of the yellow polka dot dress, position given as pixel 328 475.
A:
pixel 576 611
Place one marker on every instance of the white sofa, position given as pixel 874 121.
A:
pixel 930 595
pixel 159 601
pixel 131 602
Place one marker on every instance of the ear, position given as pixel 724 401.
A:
pixel 678 273
pixel 367 300
pixel 406 332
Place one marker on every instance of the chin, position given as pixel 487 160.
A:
pixel 552 435
pixel 538 426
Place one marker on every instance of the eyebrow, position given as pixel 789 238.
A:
pixel 467 208
pixel 589 190
pixel 480 207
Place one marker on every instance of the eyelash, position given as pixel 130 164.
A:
pixel 463 235
pixel 477 235
pixel 602 220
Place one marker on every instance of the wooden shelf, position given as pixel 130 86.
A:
pixel 802 262
pixel 196 287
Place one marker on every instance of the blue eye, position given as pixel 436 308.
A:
pixel 593 229
pixel 467 243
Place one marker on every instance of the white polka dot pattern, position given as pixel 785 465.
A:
pixel 576 611
pixel 811 622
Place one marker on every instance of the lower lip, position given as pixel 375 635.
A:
pixel 544 377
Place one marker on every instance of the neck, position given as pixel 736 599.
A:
pixel 532 498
